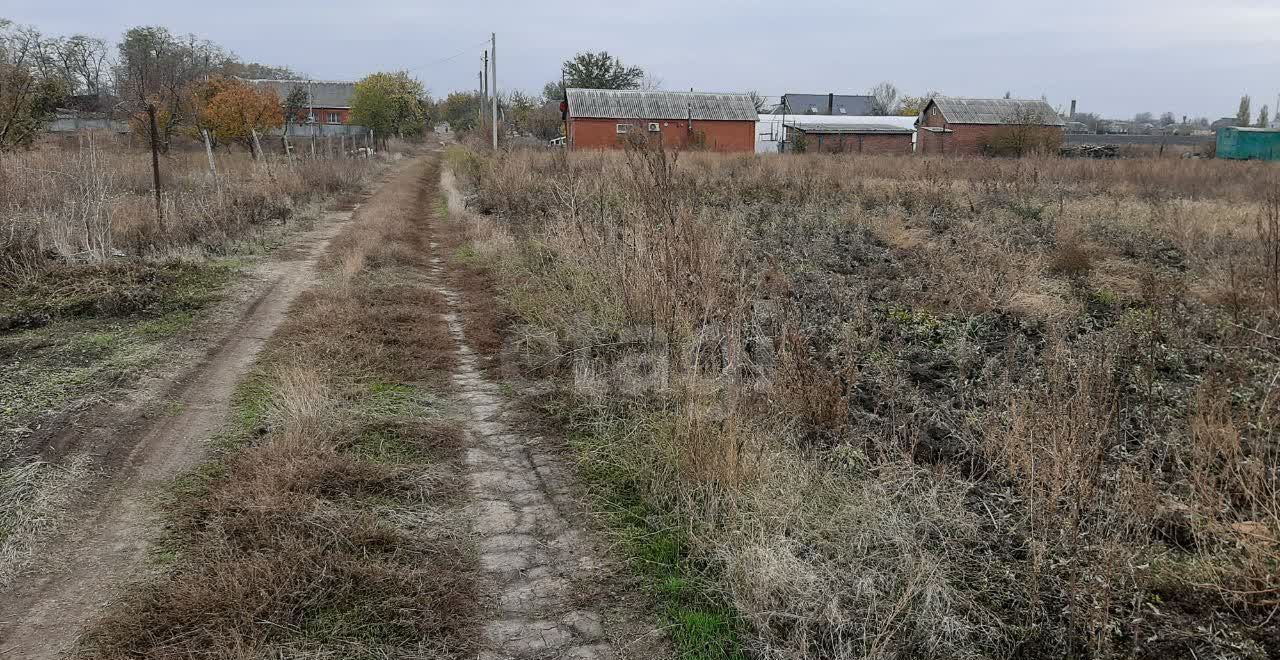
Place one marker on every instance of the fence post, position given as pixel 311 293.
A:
pixel 155 164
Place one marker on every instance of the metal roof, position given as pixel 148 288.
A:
pixel 817 104
pixel 636 104
pixel 997 111
pixel 1251 129
pixel 323 93
pixel 846 127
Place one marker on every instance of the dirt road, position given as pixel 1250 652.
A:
pixel 105 545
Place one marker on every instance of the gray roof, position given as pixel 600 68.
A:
pixel 324 93
pixel 635 104
pixel 842 104
pixel 819 127
pixel 997 111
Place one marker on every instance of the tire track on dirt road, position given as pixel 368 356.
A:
pixel 104 545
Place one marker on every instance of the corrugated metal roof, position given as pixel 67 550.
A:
pixel 997 111
pixel 635 104
pixel 849 128
pixel 324 93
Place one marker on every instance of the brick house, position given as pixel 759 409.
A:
pixel 978 127
pixel 859 138
pixel 606 118
pixel 328 101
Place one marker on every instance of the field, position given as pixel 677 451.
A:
pixel 100 298
pixel 906 407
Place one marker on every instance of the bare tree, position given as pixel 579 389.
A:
pixel 757 100
pixel 884 99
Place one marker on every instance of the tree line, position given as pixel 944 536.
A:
pixel 195 86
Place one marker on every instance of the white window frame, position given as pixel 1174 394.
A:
pixel 622 129
pixel 655 127
pixel 335 118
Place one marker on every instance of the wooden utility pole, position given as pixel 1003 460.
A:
pixel 493 80
pixel 155 164
pixel 484 78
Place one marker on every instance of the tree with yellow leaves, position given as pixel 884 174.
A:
pixel 232 110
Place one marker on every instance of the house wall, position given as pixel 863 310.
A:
pixel 728 136
pixel 969 139
pixel 323 115
pixel 866 143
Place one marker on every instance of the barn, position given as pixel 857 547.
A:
pixel 867 137
pixel 976 127
pixel 607 118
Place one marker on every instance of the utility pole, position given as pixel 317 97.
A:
pixel 493 78
pixel 480 106
pixel 484 82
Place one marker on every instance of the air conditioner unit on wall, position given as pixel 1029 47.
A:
pixel 653 127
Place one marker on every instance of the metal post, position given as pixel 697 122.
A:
pixel 155 164
pixel 493 80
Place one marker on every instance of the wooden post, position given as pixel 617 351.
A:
pixel 257 146
pixel 208 151
pixel 155 164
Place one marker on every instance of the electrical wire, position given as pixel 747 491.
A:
pixel 450 58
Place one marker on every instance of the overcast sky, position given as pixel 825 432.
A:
pixel 1191 57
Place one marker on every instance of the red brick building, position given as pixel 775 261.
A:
pixel 328 101
pixel 870 138
pixel 606 118
pixel 981 127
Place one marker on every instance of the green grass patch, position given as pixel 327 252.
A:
pixel 701 625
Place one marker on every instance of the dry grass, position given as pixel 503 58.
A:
pixel 335 531
pixel 922 407
pixel 92 203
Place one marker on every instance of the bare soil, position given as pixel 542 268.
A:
pixel 138 447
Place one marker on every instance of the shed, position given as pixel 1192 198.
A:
pixel 1241 143
pixel 770 129
pixel 604 118
pixel 867 137
pixel 972 127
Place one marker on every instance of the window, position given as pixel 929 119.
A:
pixel 623 128
pixel 653 127
pixel 334 119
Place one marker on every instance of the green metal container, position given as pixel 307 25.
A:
pixel 1239 143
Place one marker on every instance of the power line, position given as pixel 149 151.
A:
pixel 468 49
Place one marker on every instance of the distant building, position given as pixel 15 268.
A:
pixel 971 127
pixel 1222 123
pixel 867 137
pixel 1077 127
pixel 772 129
pixel 606 118
pixel 826 104
pixel 328 101
pixel 1243 143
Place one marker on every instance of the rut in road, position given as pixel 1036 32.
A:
pixel 543 571
pixel 104 546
